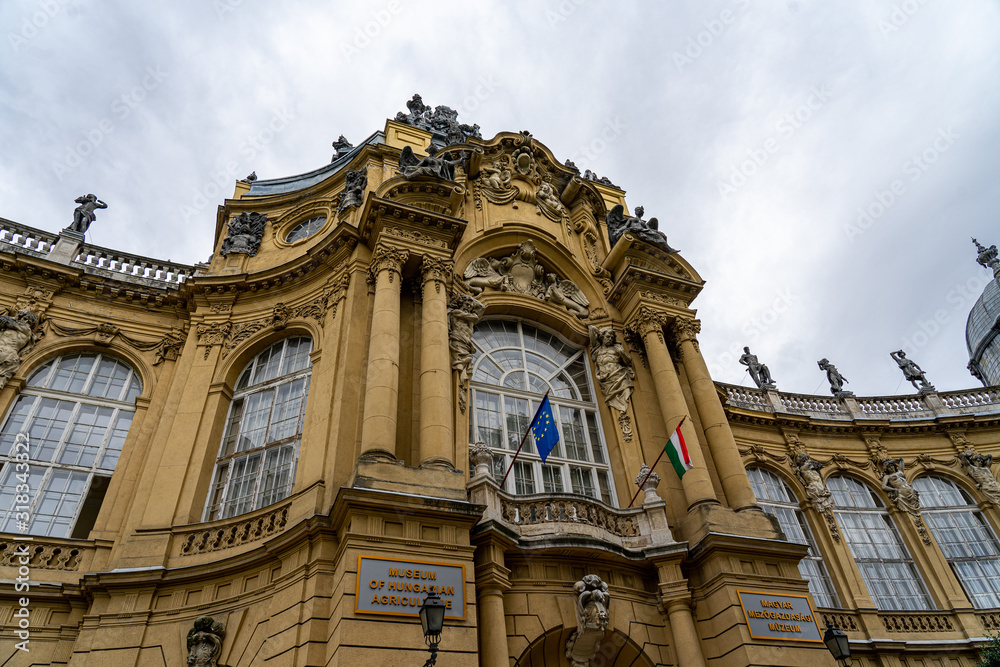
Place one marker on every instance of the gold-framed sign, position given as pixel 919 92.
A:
pixel 788 617
pixel 398 587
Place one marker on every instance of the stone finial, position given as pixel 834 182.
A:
pixel 648 481
pixel 592 602
pixel 987 257
pixel 482 458
pixel 204 642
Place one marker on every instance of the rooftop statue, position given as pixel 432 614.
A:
pixel 759 372
pixel 911 371
pixel 410 166
pixel 442 120
pixel 987 257
pixel 84 214
pixel 341 147
pixel 647 231
pixel 835 378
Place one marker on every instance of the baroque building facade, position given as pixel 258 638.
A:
pixel 271 458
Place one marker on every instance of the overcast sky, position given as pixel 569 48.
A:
pixel 756 132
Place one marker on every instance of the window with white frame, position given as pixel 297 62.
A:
pixel 260 446
pixel 514 365
pixel 967 540
pixel 75 411
pixel 777 499
pixel 885 563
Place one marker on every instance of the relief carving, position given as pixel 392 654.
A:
pixel 463 313
pixel 902 494
pixel 204 642
pixel 17 337
pixel 977 466
pixel 592 601
pixel 355 183
pixel 245 232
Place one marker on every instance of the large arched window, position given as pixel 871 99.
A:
pixel 61 441
pixel 885 564
pixel 256 464
pixel 514 365
pixel 967 540
pixel 776 498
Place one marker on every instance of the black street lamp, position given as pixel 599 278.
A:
pixel 432 620
pixel 836 640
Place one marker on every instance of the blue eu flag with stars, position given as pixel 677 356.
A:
pixel 543 429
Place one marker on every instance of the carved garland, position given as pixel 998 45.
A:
pixel 166 348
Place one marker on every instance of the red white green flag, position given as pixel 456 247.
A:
pixel 677 452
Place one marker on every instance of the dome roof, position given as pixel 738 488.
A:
pixel 983 317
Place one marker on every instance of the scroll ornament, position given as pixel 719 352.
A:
pixel 592 601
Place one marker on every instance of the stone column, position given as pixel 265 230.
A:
pixel 721 442
pixel 686 642
pixel 696 482
pixel 437 445
pixel 492 629
pixel 378 431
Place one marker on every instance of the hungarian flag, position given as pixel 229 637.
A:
pixel 677 452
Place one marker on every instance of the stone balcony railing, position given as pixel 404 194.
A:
pixel 68 248
pixel 568 519
pixel 926 405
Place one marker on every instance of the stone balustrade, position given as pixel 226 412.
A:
pixel 95 260
pixel 927 405
pixel 44 553
pixel 234 532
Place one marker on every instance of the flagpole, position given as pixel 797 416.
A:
pixel 525 437
pixel 662 452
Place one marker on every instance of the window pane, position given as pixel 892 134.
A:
pixel 524 478
pixel 552 479
pixel 582 482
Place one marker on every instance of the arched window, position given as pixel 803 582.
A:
pixel 514 365
pixel 776 498
pixel 967 540
pixel 61 441
pixel 885 564
pixel 256 464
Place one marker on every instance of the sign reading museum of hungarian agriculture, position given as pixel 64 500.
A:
pixel 780 616
pixel 399 587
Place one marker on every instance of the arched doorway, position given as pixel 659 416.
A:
pixel 549 650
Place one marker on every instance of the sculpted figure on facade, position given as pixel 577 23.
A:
pixel 204 642
pixel 341 147
pixel 85 213
pixel 592 601
pixel 615 373
pixel 567 294
pixel 977 466
pixel 442 120
pixel 548 201
pixel 648 231
pixel 807 470
pixel 411 167
pixel 834 377
pixel 897 488
pixel 17 336
pixel 355 182
pixel 245 232
pixel 911 371
pixel 759 373
pixel 463 313
pixel 519 273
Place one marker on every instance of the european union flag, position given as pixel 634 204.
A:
pixel 543 428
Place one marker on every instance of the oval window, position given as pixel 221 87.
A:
pixel 305 229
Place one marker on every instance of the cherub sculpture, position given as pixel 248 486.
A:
pixel 648 231
pixel 548 200
pixel 614 367
pixel 566 293
pixel 410 166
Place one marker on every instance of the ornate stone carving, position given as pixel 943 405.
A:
pixel 494 182
pixel 85 213
pixel 592 601
pixel 591 176
pixel 436 270
pixel 432 166
pixel 646 231
pixel 35 299
pixel 977 466
pixel 548 202
pixel 553 509
pixel 567 294
pixel 39 555
pixel 251 177
pixel 911 371
pixel 441 121
pixel 355 182
pixel 341 147
pixel 807 470
pixel 169 346
pixel 463 313
pixel 686 329
pixel 245 232
pixel 237 533
pixel 602 274
pixel 759 373
pixel 204 642
pixel 976 373
pixel 648 481
pixel 902 494
pixel 987 258
pixel 615 373
pixel 625 423
pixel 646 321
pixel 17 336
pixel 835 378
pixel 482 458
pixel 387 258
pixel 213 334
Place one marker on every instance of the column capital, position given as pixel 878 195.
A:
pixel 686 329
pixel 433 269
pixel 388 258
pixel 646 320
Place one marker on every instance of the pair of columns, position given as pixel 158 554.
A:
pixel 378 434
pixel 697 485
